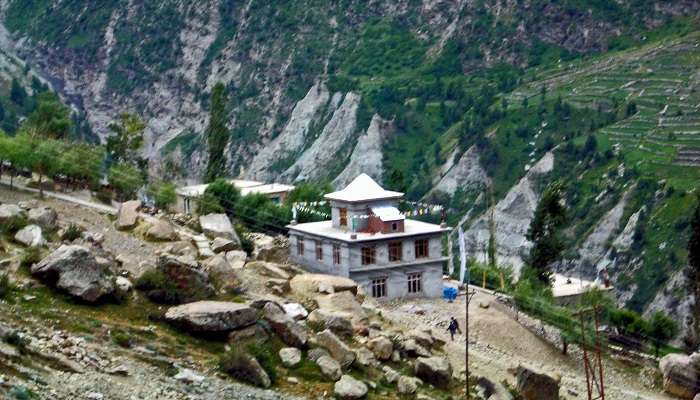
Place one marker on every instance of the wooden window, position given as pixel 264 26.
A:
pixel 343 217
pixel 319 250
pixel 300 246
pixel 395 251
pixel 336 254
pixel 422 246
pixel 379 287
pixel 415 281
pixel 368 255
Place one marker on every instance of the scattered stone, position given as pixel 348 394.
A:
pixel 161 230
pixel 76 270
pixel 423 338
pixel 316 353
pixel 94 396
pixel 534 386
pixel 10 213
pixel 219 269
pixel 256 331
pixel 435 370
pixel 290 331
pixel 124 285
pixel 222 245
pixel 382 347
pixel 338 324
pixel 212 316
pixel 93 237
pixel 329 367
pixel 218 226
pixel 365 358
pixel 337 349
pixel 345 305
pixel 290 356
pixel 268 269
pixel 188 376
pixel 680 374
pixel 44 217
pixel 30 236
pixel 349 388
pixel 245 367
pixel 27 204
pixel 407 385
pixel 413 349
pixel 128 215
pixel 390 374
pixel 296 311
pixel 236 258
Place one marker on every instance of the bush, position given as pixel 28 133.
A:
pixel 12 226
pixel 164 195
pixel 235 361
pixel 247 244
pixel 164 289
pixel 121 338
pixel 21 393
pixel 31 255
pixel 104 195
pixel 72 232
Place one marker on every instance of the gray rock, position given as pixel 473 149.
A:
pixel 124 285
pixel 161 230
pixel 253 332
pixel 219 269
pixel 188 376
pixel 435 370
pixel 337 349
pixel 76 270
pixel 10 213
pixel 268 269
pixel 680 374
pixel 329 367
pixel 245 367
pixel 413 349
pixel 128 215
pixel 349 388
pixel 45 217
pixel 535 386
pixel 192 282
pixel 223 245
pixel 290 331
pixel 218 225
pixel 308 284
pixel 407 384
pixel 382 347
pixel 236 258
pixel 296 311
pixel 212 316
pixel 290 356
pixel 30 236
pixel 316 353
pixel 365 358
pixel 390 374
pixel 340 325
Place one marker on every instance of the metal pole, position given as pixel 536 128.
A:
pixel 600 363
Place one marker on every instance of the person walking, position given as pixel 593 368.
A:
pixel 453 327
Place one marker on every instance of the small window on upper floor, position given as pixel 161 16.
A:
pixel 343 216
pixel 319 250
pixel 368 255
pixel 422 248
pixel 300 246
pixel 336 254
pixel 395 251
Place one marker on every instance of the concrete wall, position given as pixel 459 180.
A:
pixel 357 209
pixel 308 259
pixel 397 280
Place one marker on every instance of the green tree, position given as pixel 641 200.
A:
pixel 623 319
pixel 544 233
pixel 217 133
pixel 18 150
pixel 660 329
pixel 164 195
pixel 226 195
pixel 126 179
pixel 127 138
pixel 694 270
pixel 51 118
pixel 17 93
pixel 82 163
pixel 44 159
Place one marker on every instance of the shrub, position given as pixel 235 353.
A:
pixel 247 244
pixel 31 255
pixel 21 393
pixel 235 362
pixel 12 226
pixel 121 338
pixel 104 195
pixel 164 289
pixel 164 195
pixel 72 232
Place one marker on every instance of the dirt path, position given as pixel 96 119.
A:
pixel 498 343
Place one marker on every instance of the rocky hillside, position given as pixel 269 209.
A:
pixel 439 99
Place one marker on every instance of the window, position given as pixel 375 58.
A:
pixel 319 250
pixel 336 254
pixel 300 246
pixel 422 248
pixel 368 255
pixel 379 287
pixel 394 226
pixel 395 250
pixel 414 282
pixel 343 217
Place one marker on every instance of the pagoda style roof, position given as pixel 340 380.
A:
pixel 363 188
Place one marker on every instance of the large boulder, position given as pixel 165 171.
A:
pixel 340 325
pixel 382 347
pixel 681 374
pixel 176 280
pixel 236 258
pixel 161 230
pixel 10 213
pixel 407 384
pixel 128 215
pixel 329 367
pixel 535 386
pixel 77 271
pixel 218 225
pixel 45 217
pixel 349 388
pixel 308 284
pixel 221 271
pixel 245 367
pixel 268 269
pixel 337 349
pixel 289 331
pixel 296 311
pixel 343 305
pixel 212 316
pixel 222 245
pixel 435 370
pixel 30 236
pixel 290 356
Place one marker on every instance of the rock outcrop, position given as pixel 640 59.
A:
pixel 290 331
pixel 75 270
pixel 367 155
pixel 435 370
pixel 681 374
pixel 212 316
pixel 161 230
pixel 128 215
pixel 335 347
pixel 467 172
pixel 44 217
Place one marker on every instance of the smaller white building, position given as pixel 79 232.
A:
pixel 188 196
pixel 569 290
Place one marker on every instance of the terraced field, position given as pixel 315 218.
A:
pixel 659 84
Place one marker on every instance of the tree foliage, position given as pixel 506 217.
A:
pixel 694 267
pixel 217 133
pixel 126 179
pixel 51 119
pixel 163 194
pixel 544 233
pixel 127 138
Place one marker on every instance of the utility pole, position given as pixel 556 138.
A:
pixel 593 365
